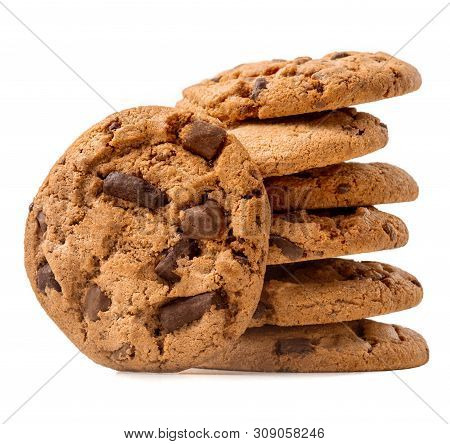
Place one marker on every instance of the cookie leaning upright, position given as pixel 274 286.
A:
pixel 282 88
pixel 147 242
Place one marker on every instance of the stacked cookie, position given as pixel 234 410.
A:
pixel 147 244
pixel 293 119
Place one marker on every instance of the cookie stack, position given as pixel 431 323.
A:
pixel 147 244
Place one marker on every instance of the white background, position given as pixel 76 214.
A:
pixel 145 52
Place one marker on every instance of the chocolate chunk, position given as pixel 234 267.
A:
pixel 186 310
pixel 383 125
pixel 41 222
pixel 203 139
pixel 260 84
pixel 390 231
pixel 339 55
pixel 416 283
pixel 127 351
pixel 241 257
pixel 353 130
pixel 167 265
pixel 205 221
pixel 113 126
pixel 255 193
pixel 30 207
pixel 343 188
pixel 301 346
pixel 288 248
pixel 96 301
pixel 134 189
pixel 46 278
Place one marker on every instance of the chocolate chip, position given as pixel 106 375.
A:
pixel 205 221
pixel 260 84
pixel 354 130
pixel 383 125
pixel 167 265
pixel 113 126
pixel 127 351
pixel 203 139
pixel 96 301
pixel 288 248
pixel 30 207
pixel 46 278
pixel 301 346
pixel 255 193
pixel 134 189
pixel 339 55
pixel 186 310
pixel 390 231
pixel 240 257
pixel 41 222
pixel 343 188
pixel 416 283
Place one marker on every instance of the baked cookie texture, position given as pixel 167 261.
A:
pixel 354 346
pixel 305 235
pixel 280 88
pixel 147 242
pixel 293 144
pixel 343 185
pixel 333 290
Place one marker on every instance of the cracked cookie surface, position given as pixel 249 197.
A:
pixel 343 185
pixel 293 144
pixel 319 234
pixel 333 290
pixel 289 87
pixel 147 242
pixel 354 346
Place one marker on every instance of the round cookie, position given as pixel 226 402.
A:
pixel 304 235
pixel 147 242
pixel 356 346
pixel 342 185
pixel 289 87
pixel 333 290
pixel 293 144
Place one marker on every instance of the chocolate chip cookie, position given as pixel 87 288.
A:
pixel 294 144
pixel 333 290
pixel 319 234
pixel 355 346
pixel 289 87
pixel 147 242
pixel 342 185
